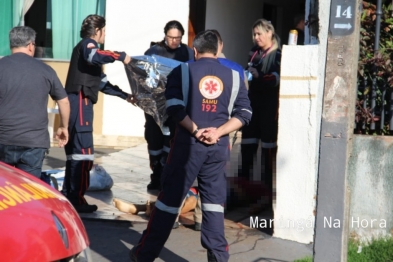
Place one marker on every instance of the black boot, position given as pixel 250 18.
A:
pixel 155 183
pixel 155 177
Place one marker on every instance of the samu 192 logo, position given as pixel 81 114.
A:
pixel 211 87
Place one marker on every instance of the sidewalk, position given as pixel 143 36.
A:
pixel 130 171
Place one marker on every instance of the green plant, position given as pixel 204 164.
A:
pixel 376 250
pixel 306 259
pixel 374 68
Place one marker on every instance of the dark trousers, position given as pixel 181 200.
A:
pixel 79 149
pixel 262 127
pixel 158 144
pixel 24 158
pixel 185 164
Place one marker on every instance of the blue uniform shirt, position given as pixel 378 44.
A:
pixel 212 95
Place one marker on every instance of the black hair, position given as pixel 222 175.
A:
pixel 173 25
pixel 89 25
pixel 206 42
pixel 298 18
pixel 217 34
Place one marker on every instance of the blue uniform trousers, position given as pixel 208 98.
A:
pixel 79 149
pixel 185 163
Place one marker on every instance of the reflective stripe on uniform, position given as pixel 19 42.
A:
pixel 243 109
pixel 248 141
pixel 104 79
pixel 235 90
pixel 269 145
pixel 155 152
pixel 80 157
pixel 185 82
pixel 165 131
pixel 92 53
pixel 161 206
pixel 166 149
pixel 174 102
pixel 213 208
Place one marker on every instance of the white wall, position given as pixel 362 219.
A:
pixel 234 19
pixel 296 158
pixel 130 27
pixel 301 96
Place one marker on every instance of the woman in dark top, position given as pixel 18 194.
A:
pixel 158 140
pixel 85 80
pixel 264 65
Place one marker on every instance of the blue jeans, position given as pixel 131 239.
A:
pixel 24 158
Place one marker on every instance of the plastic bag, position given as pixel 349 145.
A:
pixel 99 179
pixel 147 76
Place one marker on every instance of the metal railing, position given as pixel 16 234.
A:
pixel 374 109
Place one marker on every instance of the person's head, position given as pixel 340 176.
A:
pixel 220 42
pixel 299 22
pixel 93 26
pixel 174 32
pixel 264 34
pixel 205 44
pixel 22 39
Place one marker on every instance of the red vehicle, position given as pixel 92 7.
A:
pixel 37 223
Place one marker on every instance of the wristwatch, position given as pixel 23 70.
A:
pixel 195 131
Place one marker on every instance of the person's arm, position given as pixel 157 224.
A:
pixel 245 80
pixel 241 115
pixel 95 56
pixel 174 102
pixel 107 88
pixel 151 51
pixel 271 78
pixel 64 111
pixel 175 107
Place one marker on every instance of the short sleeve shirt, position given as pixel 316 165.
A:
pixel 25 84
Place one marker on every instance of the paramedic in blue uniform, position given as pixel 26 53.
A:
pixel 157 139
pixel 232 65
pixel 208 101
pixel 84 80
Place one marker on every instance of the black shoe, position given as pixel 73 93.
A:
pixel 154 185
pixel 197 226
pixel 211 257
pixel 85 208
pixel 176 225
pixel 132 255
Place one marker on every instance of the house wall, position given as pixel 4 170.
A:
pixel 234 20
pixel 225 16
pixel 130 27
pixel 301 96
pixel 370 181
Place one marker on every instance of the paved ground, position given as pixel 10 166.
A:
pixel 112 233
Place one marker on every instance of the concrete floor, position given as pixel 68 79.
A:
pixel 129 169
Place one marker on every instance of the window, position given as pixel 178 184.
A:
pixel 57 23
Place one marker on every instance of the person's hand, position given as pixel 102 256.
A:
pixel 208 135
pixel 253 71
pixel 132 99
pixel 62 136
pixel 127 59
